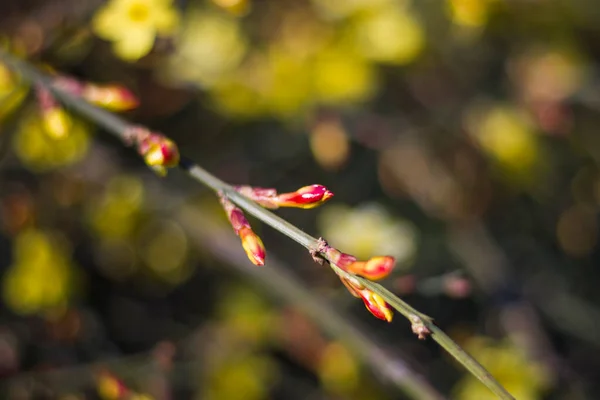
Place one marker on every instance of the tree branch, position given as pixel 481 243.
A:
pixel 421 324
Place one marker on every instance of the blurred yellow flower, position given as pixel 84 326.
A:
pixel 252 375
pixel 132 25
pixel 116 213
pixel 389 34
pixel 209 47
pixel 338 370
pixel 40 278
pixel 163 246
pixel 339 9
pixel 342 77
pixel 247 314
pixel 524 379
pixel 287 90
pixel 469 13
pixel 12 91
pixel 235 7
pixel 506 134
pixel 236 98
pixel 367 231
pixel 40 151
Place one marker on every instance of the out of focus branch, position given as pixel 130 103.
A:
pixel 421 324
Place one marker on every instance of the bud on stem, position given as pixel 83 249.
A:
pixel 251 242
pixel 306 197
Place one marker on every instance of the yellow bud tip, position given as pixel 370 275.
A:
pixel 377 306
pixel 253 245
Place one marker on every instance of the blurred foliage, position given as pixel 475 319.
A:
pixel 523 379
pixel 458 136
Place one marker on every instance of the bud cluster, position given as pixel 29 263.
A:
pixel 373 269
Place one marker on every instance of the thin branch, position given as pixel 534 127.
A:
pixel 422 324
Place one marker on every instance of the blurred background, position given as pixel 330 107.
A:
pixel 459 136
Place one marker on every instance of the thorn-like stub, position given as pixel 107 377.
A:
pixel 419 328
pixel 320 247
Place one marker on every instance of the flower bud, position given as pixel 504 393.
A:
pixel 374 269
pixel 251 242
pixel 306 197
pixel 373 302
pixel 159 153
pixel 253 245
pixel 111 97
pixel 377 306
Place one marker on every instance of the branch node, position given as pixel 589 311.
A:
pixel 315 252
pixel 418 327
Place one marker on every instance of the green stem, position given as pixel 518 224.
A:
pixel 118 127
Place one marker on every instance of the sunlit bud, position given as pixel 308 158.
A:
pixel 111 97
pixel 373 302
pixel 377 306
pixel 305 197
pixel 110 387
pixel 374 269
pixel 253 245
pixel 159 152
pixel 266 197
pixel 251 242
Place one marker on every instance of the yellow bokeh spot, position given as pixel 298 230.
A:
pixel 469 13
pixel 132 25
pixel 12 91
pixel 208 49
pixel 340 9
pixel 338 370
pixel 56 122
pixel 389 35
pixel 368 230
pixel 252 376
pixel 523 378
pixel 40 278
pixel 287 90
pixel 342 77
pixel 247 314
pixel 235 7
pixel 507 135
pixel 163 246
pixel 40 151
pixel 235 98
pixel 115 215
